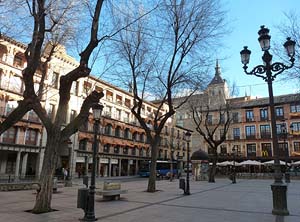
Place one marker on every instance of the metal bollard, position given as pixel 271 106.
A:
pixel 82 198
pixel 182 184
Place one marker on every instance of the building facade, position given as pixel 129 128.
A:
pixel 250 129
pixel 123 143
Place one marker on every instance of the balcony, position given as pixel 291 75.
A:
pixel 265 135
pixel 250 136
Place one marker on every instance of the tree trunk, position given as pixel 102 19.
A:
pixel 44 196
pixel 212 171
pixel 152 177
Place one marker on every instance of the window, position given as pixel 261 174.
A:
pixel 263 114
pixel 118 114
pixel 108 129
pixel 251 150
pixel 133 151
pixel 142 152
pixel 106 148
pixel 9 136
pixel 209 120
pixel 51 111
pixel 125 150
pixel 32 116
pixel 72 115
pixel 297 146
pixel 223 150
pixel 83 144
pixel 74 88
pixel 15 84
pixel 31 137
pixel 266 150
pixel 166 130
pixel 127 133
pixel 18 61
pixel 235 117
pixel 295 127
pixel 222 118
pixel 116 149
pixel 54 81
pixel 295 108
pixel 249 116
pixel 265 131
pixel 118 131
pixel 283 150
pixel 250 132
pixel 279 112
pixel 236 133
pixel 87 86
pixel 210 151
pixel 142 138
pixel 135 137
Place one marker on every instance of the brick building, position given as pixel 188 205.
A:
pixel 123 143
pixel 250 130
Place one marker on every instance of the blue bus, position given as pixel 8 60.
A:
pixel 163 168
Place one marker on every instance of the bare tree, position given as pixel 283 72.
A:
pixel 289 28
pixel 213 132
pixel 46 19
pixel 164 56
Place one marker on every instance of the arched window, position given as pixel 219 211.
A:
pixel 142 137
pixel 108 129
pixel 142 152
pixel 127 133
pixel 135 136
pixel 118 131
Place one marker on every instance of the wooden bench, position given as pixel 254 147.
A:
pixel 111 191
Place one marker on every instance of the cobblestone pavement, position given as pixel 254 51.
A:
pixel 247 200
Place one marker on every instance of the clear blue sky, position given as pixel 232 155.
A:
pixel 246 17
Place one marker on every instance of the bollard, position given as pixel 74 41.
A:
pixel 54 184
pixel 182 184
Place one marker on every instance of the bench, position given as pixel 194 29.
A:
pixel 111 191
pixel 37 186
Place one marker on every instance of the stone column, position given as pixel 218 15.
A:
pixel 128 168
pixel 24 165
pixel 109 167
pixel 17 165
pixel 120 165
pixel 136 167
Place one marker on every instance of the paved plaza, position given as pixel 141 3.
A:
pixel 247 200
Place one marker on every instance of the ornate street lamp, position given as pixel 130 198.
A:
pixel 90 213
pixel 188 140
pixel 286 150
pixel 171 158
pixel 271 70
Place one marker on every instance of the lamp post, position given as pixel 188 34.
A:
pixel 286 150
pixel 188 140
pixel 271 70
pixel 171 165
pixel 234 151
pixel 90 213
pixel 69 177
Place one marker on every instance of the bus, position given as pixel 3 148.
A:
pixel 163 168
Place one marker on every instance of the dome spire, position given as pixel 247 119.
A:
pixel 218 69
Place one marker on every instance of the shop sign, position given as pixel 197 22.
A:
pixel 114 161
